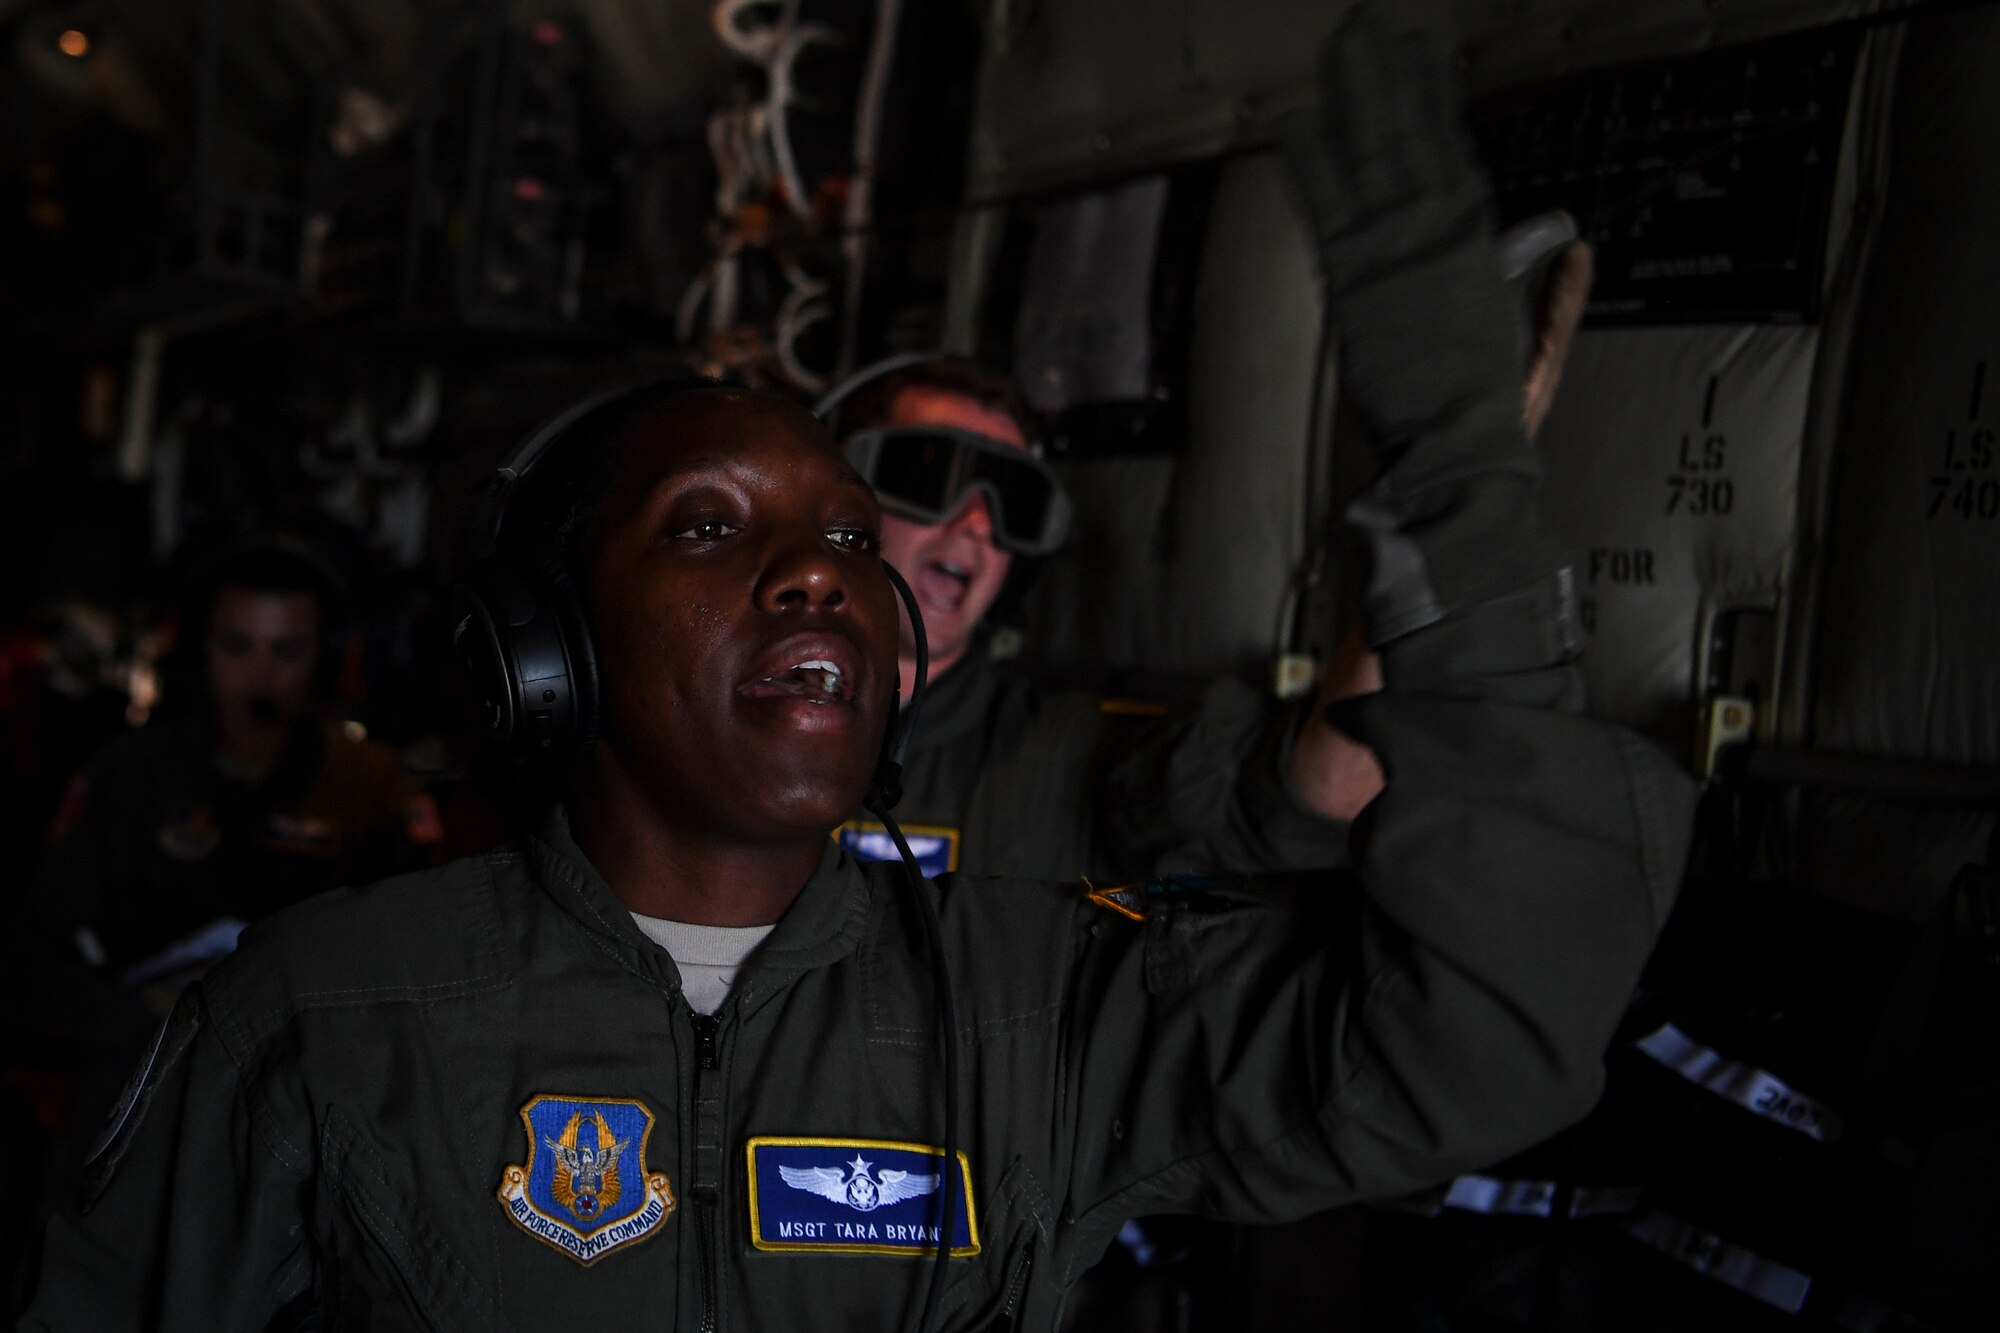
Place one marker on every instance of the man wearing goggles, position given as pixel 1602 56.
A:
pixel 945 444
pixel 1005 777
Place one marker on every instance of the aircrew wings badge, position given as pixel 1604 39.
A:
pixel 585 1189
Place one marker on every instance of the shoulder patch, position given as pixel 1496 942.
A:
pixel 302 835
pixel 1197 893
pixel 1111 707
pixel 856 1196
pixel 584 1188
pixel 1127 900
pixel 170 1043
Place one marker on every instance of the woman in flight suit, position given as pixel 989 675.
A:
pixel 675 1060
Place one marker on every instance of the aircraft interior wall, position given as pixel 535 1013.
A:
pixel 1723 462
pixel 1901 659
pixel 1186 566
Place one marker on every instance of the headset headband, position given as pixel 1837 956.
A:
pixel 868 374
pixel 519 463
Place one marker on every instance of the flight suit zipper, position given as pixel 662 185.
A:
pixel 707 1187
pixel 1017 1282
pixel 706 1026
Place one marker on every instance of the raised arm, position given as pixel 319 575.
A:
pixel 1436 359
pixel 1258 1054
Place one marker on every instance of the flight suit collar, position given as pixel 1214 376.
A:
pixel 824 924
pixel 960 700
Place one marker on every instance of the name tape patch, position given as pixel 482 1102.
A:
pixel 585 1189
pixel 856 1196
pixel 934 846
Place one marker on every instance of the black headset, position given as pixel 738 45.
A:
pixel 517 622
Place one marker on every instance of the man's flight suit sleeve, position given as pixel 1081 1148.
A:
pixel 1210 790
pixel 1259 1056
pixel 192 1214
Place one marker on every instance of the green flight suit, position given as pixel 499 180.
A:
pixel 1006 777
pixel 335 1115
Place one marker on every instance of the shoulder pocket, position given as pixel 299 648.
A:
pixel 412 1258
pixel 991 1294
pixel 170 1044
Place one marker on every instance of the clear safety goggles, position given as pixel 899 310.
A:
pixel 926 474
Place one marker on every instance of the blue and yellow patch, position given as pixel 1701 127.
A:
pixel 934 845
pixel 856 1196
pixel 585 1189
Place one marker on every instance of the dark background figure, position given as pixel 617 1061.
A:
pixel 1008 777
pixel 241 797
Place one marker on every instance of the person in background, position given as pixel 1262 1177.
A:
pixel 1007 777
pixel 246 802
pixel 241 801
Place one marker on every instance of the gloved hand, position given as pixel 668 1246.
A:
pixel 1429 339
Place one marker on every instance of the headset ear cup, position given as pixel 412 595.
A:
pixel 527 655
pixel 485 607
pixel 573 626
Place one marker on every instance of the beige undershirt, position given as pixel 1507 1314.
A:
pixel 707 956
